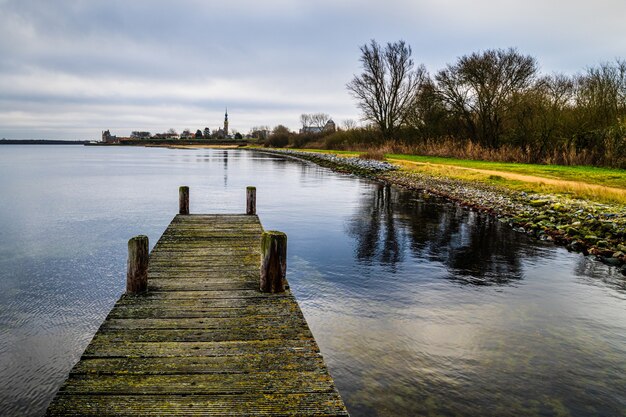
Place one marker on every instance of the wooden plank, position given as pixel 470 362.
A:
pixel 226 383
pixel 209 271
pixel 248 405
pixel 243 363
pixel 203 340
pixel 239 308
pixel 104 347
pixel 199 284
pixel 186 294
pixel 200 335
pixel 200 302
pixel 181 295
pixel 204 308
pixel 223 261
pixel 224 323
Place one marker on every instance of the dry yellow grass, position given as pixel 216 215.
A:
pixel 577 189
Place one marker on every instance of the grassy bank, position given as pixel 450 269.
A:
pixel 604 185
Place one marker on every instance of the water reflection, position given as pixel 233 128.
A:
pixel 476 249
pixel 225 167
pixel 374 228
pixel 593 272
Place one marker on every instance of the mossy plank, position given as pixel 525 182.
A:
pixel 207 272
pixel 230 262
pixel 217 217
pixel 223 323
pixel 220 258
pixel 209 268
pixel 163 295
pixel 203 340
pixel 166 243
pixel 198 302
pixel 204 335
pixel 227 383
pixel 249 405
pixel 104 347
pixel 214 239
pixel 309 361
pixel 238 228
pixel 259 311
pixel 195 284
pixel 218 235
pixel 206 251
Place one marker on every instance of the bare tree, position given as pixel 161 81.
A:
pixel 387 87
pixel 349 124
pixel 557 92
pixel 315 120
pixel 305 120
pixel 319 120
pixel 429 116
pixel 479 88
pixel 601 94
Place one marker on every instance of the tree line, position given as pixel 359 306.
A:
pixel 493 104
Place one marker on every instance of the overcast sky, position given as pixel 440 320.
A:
pixel 70 69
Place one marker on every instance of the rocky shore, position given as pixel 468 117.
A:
pixel 588 227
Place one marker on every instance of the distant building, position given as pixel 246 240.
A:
pixel 222 133
pixel 166 135
pixel 328 127
pixel 108 138
pixel 259 134
pixel 226 123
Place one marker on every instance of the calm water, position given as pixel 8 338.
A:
pixel 419 307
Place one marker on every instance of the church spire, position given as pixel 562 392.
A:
pixel 226 122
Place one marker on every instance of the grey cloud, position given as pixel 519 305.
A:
pixel 290 56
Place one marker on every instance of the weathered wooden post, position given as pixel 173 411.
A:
pixel 183 200
pixel 250 200
pixel 137 271
pixel 273 261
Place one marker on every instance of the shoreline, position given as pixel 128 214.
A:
pixel 588 227
pixel 175 143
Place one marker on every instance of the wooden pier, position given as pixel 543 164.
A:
pixel 202 339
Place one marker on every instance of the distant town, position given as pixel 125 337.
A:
pixel 311 124
pixel 220 133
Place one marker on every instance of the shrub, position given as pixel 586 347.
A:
pixel 279 140
pixel 376 154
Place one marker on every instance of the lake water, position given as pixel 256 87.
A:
pixel 419 307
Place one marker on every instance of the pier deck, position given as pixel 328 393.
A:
pixel 203 340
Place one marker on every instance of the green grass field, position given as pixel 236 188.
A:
pixel 584 182
pixel 590 175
